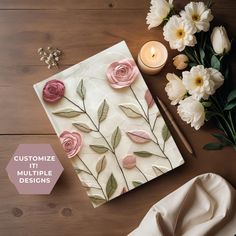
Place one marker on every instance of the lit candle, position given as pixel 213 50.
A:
pixel 152 57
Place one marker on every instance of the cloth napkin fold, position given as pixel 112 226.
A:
pixel 206 205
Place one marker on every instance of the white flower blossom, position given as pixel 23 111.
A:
pixel 192 112
pixel 198 82
pixel 159 10
pixel 175 88
pixel 198 14
pixel 216 77
pixel 179 33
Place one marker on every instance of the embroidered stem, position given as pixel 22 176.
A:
pixel 100 186
pixel 146 118
pixel 104 138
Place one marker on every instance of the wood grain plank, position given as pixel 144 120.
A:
pixel 73 4
pixel 98 4
pixel 69 207
pixel 79 34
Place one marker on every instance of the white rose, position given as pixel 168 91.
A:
pixel 192 112
pixel 220 40
pixel 216 77
pixel 159 10
pixel 180 62
pixel 175 88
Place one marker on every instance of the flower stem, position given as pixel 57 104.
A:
pixel 229 124
pixel 99 131
pixel 74 103
pixel 146 118
pixel 93 177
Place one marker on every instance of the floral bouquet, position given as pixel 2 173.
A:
pixel 203 92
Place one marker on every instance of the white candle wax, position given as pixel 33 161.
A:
pixel 152 57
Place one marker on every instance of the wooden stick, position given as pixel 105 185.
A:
pixel 177 129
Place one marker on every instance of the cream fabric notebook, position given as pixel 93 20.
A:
pixel 108 124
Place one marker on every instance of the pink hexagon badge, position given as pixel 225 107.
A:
pixel 34 169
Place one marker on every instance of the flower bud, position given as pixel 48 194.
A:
pixel 180 61
pixel 220 40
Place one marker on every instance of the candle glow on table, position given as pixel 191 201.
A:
pixel 152 57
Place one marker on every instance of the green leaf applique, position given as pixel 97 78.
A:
pixel 143 154
pixel 67 113
pixel 136 183
pixel 165 133
pixel 115 138
pixel 96 199
pixel 83 127
pixel 101 165
pixel 102 111
pixel 81 89
pixel 111 186
pixel 99 149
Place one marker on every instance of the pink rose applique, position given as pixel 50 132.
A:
pixel 53 91
pixel 122 74
pixel 71 143
pixel 129 162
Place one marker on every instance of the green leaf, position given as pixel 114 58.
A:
pixel 67 112
pixel 213 146
pixel 207 104
pixel 81 89
pixel 165 133
pixel 102 111
pixel 232 96
pixel 210 115
pixel 83 127
pixel 101 165
pixel 215 62
pixel 136 183
pixel 202 55
pixel 115 138
pixel 192 64
pixel 224 140
pixel 96 199
pixel 130 110
pixel 111 186
pixel 99 149
pixel 230 106
pixel 209 3
pixel 143 154
pixel 191 58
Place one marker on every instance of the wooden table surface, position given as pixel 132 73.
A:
pixel 82 28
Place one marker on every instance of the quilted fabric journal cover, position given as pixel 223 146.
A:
pixel 108 124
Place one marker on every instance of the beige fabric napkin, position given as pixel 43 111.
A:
pixel 206 205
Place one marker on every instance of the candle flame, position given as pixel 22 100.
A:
pixel 153 51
